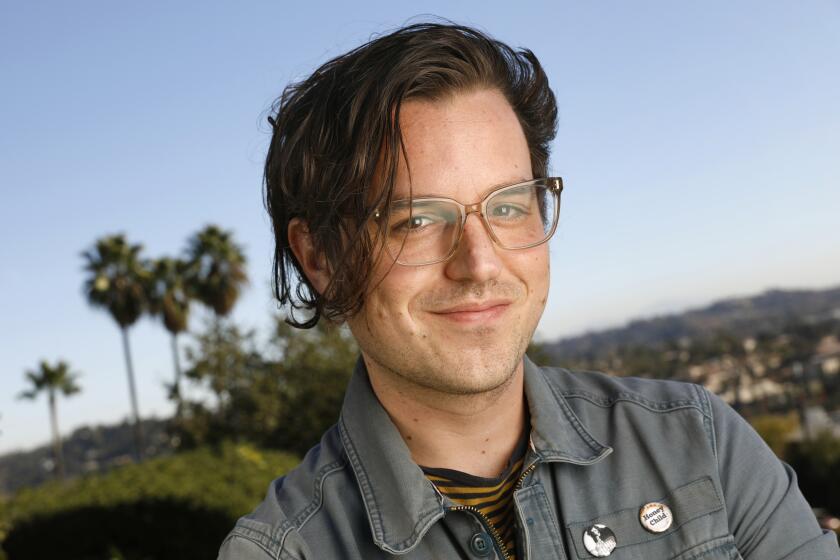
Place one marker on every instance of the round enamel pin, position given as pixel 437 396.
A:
pixel 656 517
pixel 599 540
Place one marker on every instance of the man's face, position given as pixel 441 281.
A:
pixel 461 326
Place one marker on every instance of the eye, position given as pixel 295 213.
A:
pixel 507 211
pixel 413 224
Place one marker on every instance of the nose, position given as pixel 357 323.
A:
pixel 476 257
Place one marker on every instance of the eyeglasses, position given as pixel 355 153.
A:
pixel 427 230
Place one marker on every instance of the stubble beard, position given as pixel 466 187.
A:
pixel 483 369
pixel 483 363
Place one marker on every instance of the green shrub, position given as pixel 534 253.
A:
pixel 283 396
pixel 174 507
pixel 817 466
pixel 776 430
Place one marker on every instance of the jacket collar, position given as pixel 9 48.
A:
pixel 400 501
pixel 556 431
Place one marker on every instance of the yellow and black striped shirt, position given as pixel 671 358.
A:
pixel 493 497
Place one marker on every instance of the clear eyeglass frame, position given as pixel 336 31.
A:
pixel 553 185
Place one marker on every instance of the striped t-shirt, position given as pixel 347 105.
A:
pixel 493 497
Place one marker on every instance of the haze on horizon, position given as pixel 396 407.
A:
pixel 698 145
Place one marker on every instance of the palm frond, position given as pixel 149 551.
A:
pixel 50 378
pixel 216 268
pixel 116 278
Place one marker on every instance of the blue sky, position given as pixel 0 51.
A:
pixel 698 143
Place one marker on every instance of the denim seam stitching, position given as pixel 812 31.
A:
pixel 669 495
pixel 809 542
pixel 629 396
pixel 676 406
pixel 708 422
pixel 285 553
pixel 318 498
pixel 424 522
pixel 574 420
pixel 727 546
pixel 363 482
pixel 557 541
pixel 715 544
pixel 267 542
pixel 425 517
pixel 279 535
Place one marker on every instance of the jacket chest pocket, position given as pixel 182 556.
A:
pixel 687 524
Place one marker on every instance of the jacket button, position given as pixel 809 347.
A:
pixel 481 544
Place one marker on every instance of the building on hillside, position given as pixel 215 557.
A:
pixel 827 356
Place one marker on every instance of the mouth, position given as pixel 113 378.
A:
pixel 477 312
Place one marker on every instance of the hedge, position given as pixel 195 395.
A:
pixel 180 506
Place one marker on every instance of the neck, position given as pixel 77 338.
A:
pixel 474 433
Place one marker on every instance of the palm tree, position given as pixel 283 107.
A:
pixel 52 379
pixel 168 294
pixel 217 275
pixel 217 269
pixel 116 284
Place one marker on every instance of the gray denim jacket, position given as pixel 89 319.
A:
pixel 601 449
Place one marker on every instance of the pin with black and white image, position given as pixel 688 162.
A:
pixel 656 517
pixel 599 540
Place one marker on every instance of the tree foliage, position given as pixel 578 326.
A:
pixel 775 430
pixel 168 292
pixel 117 281
pixel 217 268
pixel 817 464
pixel 116 278
pixel 175 507
pixel 54 381
pixel 283 394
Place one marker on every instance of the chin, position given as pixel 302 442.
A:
pixel 482 373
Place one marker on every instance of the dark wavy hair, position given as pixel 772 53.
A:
pixel 336 145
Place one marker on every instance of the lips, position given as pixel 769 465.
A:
pixel 474 312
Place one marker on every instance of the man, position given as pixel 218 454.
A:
pixel 407 185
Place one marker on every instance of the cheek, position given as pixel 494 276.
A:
pixel 543 273
pixel 534 271
pixel 393 299
pixel 537 281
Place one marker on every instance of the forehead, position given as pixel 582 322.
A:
pixel 461 146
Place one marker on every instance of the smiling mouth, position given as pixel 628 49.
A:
pixel 475 312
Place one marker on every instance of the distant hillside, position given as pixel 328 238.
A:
pixel 99 448
pixel 86 450
pixel 769 312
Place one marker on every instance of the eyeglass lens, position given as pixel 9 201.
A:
pixel 423 231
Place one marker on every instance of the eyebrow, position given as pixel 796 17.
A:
pixel 481 196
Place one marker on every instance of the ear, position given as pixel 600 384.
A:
pixel 314 265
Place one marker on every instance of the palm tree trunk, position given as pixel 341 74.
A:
pixel 233 412
pixel 138 430
pixel 59 457
pixel 177 387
